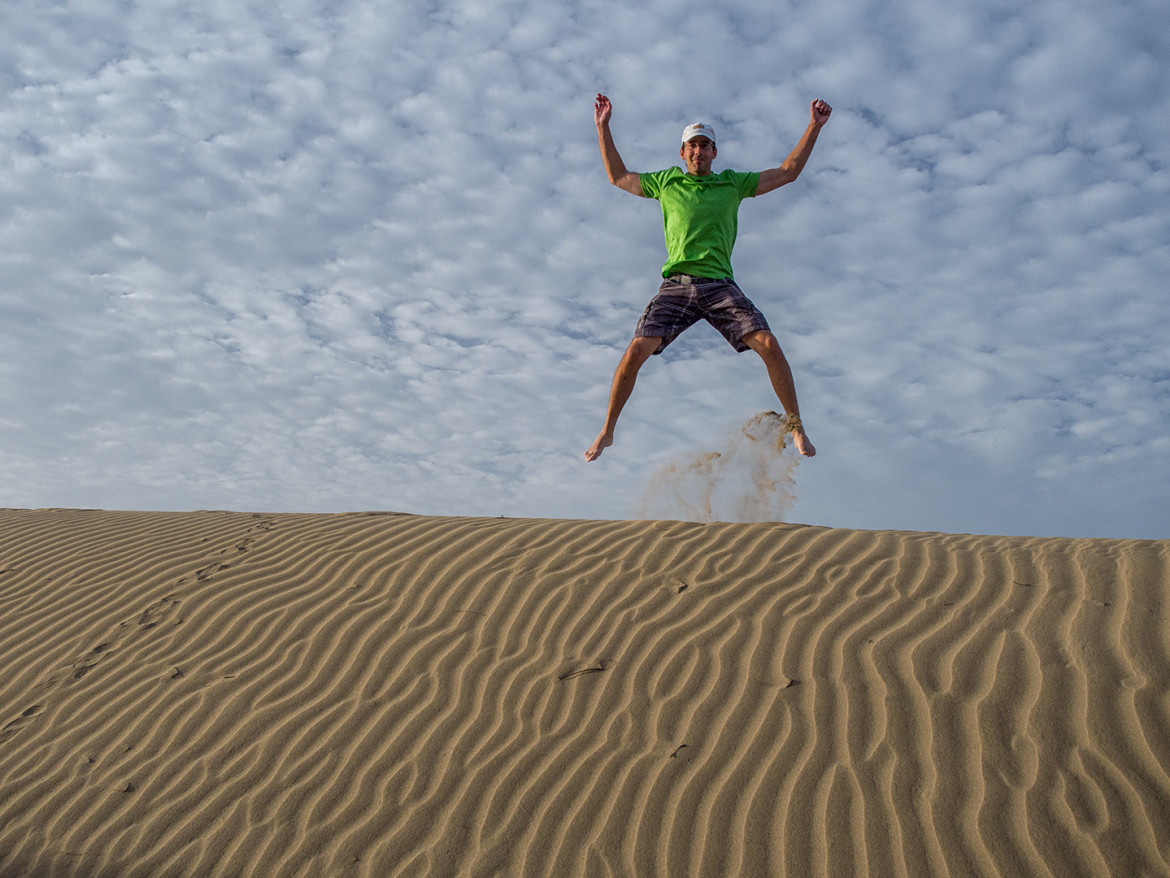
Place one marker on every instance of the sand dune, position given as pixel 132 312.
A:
pixel 224 694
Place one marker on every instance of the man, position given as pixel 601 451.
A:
pixel 699 213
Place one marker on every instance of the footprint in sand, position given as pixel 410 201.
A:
pixel 11 729
pixel 82 666
pixel 150 617
pixel 155 613
pixel 210 570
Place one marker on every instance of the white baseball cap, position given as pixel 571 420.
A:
pixel 698 129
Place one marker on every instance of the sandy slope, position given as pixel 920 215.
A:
pixel 214 694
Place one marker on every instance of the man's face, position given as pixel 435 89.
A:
pixel 698 153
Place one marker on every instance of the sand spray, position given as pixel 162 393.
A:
pixel 749 476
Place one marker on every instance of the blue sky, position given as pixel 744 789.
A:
pixel 348 255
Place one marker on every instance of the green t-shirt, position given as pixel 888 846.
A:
pixel 700 217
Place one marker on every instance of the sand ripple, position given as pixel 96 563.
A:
pixel 224 694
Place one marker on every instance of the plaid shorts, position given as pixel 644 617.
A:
pixel 683 300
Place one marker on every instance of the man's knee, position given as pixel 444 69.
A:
pixel 764 343
pixel 641 348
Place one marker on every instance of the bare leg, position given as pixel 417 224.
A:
pixel 764 343
pixel 636 354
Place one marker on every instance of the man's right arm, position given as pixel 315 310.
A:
pixel 615 168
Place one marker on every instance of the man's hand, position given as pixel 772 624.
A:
pixel 820 112
pixel 602 110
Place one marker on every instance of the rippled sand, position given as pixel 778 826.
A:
pixel 227 694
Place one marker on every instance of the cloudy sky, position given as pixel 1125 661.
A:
pixel 327 255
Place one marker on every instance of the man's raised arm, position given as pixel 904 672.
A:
pixel 774 178
pixel 614 166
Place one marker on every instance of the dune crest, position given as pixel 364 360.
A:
pixel 224 694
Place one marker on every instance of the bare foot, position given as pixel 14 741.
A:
pixel 604 440
pixel 801 441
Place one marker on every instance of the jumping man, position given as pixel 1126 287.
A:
pixel 699 214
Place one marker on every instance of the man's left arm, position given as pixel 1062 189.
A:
pixel 774 178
